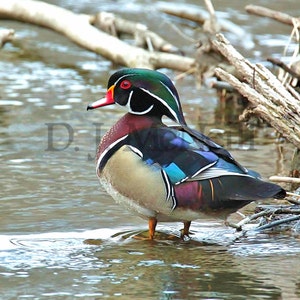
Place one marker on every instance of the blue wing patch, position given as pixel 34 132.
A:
pixel 176 152
pixel 175 173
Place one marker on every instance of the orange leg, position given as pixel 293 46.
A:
pixel 186 228
pixel 152 224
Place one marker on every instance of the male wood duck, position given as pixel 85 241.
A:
pixel 168 173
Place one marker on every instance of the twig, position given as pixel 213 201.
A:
pixel 293 201
pixel 253 217
pixel 270 13
pixel 284 179
pixel 283 66
pixel 286 210
pixel 211 25
pixel 295 198
pixel 267 212
pixel 198 16
pixel 293 92
pixel 293 194
pixel 219 85
pixel 278 222
pixel 284 76
pixel 184 74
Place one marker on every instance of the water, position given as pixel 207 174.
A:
pixel 73 264
pixel 62 237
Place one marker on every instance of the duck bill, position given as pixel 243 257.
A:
pixel 107 100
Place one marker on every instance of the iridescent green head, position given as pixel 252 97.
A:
pixel 143 92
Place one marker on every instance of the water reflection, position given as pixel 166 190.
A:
pixel 161 269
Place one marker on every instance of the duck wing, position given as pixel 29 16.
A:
pixel 183 155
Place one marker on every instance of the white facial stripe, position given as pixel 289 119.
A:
pixel 121 78
pixel 136 112
pixel 163 102
pixel 142 112
pixel 129 101
pixel 177 102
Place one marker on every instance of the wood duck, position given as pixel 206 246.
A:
pixel 168 173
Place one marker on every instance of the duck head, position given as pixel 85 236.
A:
pixel 143 92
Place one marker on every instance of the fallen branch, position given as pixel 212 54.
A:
pixel 219 85
pixel 144 37
pixel 270 13
pixel 248 219
pixel 271 100
pixel 280 209
pixel 277 223
pixel 272 216
pixel 185 12
pixel 6 35
pixel 284 179
pixel 293 198
pixel 78 29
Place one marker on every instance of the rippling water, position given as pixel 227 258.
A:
pixel 61 236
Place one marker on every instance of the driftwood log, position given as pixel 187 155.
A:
pixel 276 104
pixel 78 28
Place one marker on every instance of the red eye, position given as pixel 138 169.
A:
pixel 125 84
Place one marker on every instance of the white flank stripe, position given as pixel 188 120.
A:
pixel 108 148
pixel 136 151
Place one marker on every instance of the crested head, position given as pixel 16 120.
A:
pixel 143 92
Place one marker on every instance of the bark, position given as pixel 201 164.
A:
pixel 78 29
pixel 270 99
